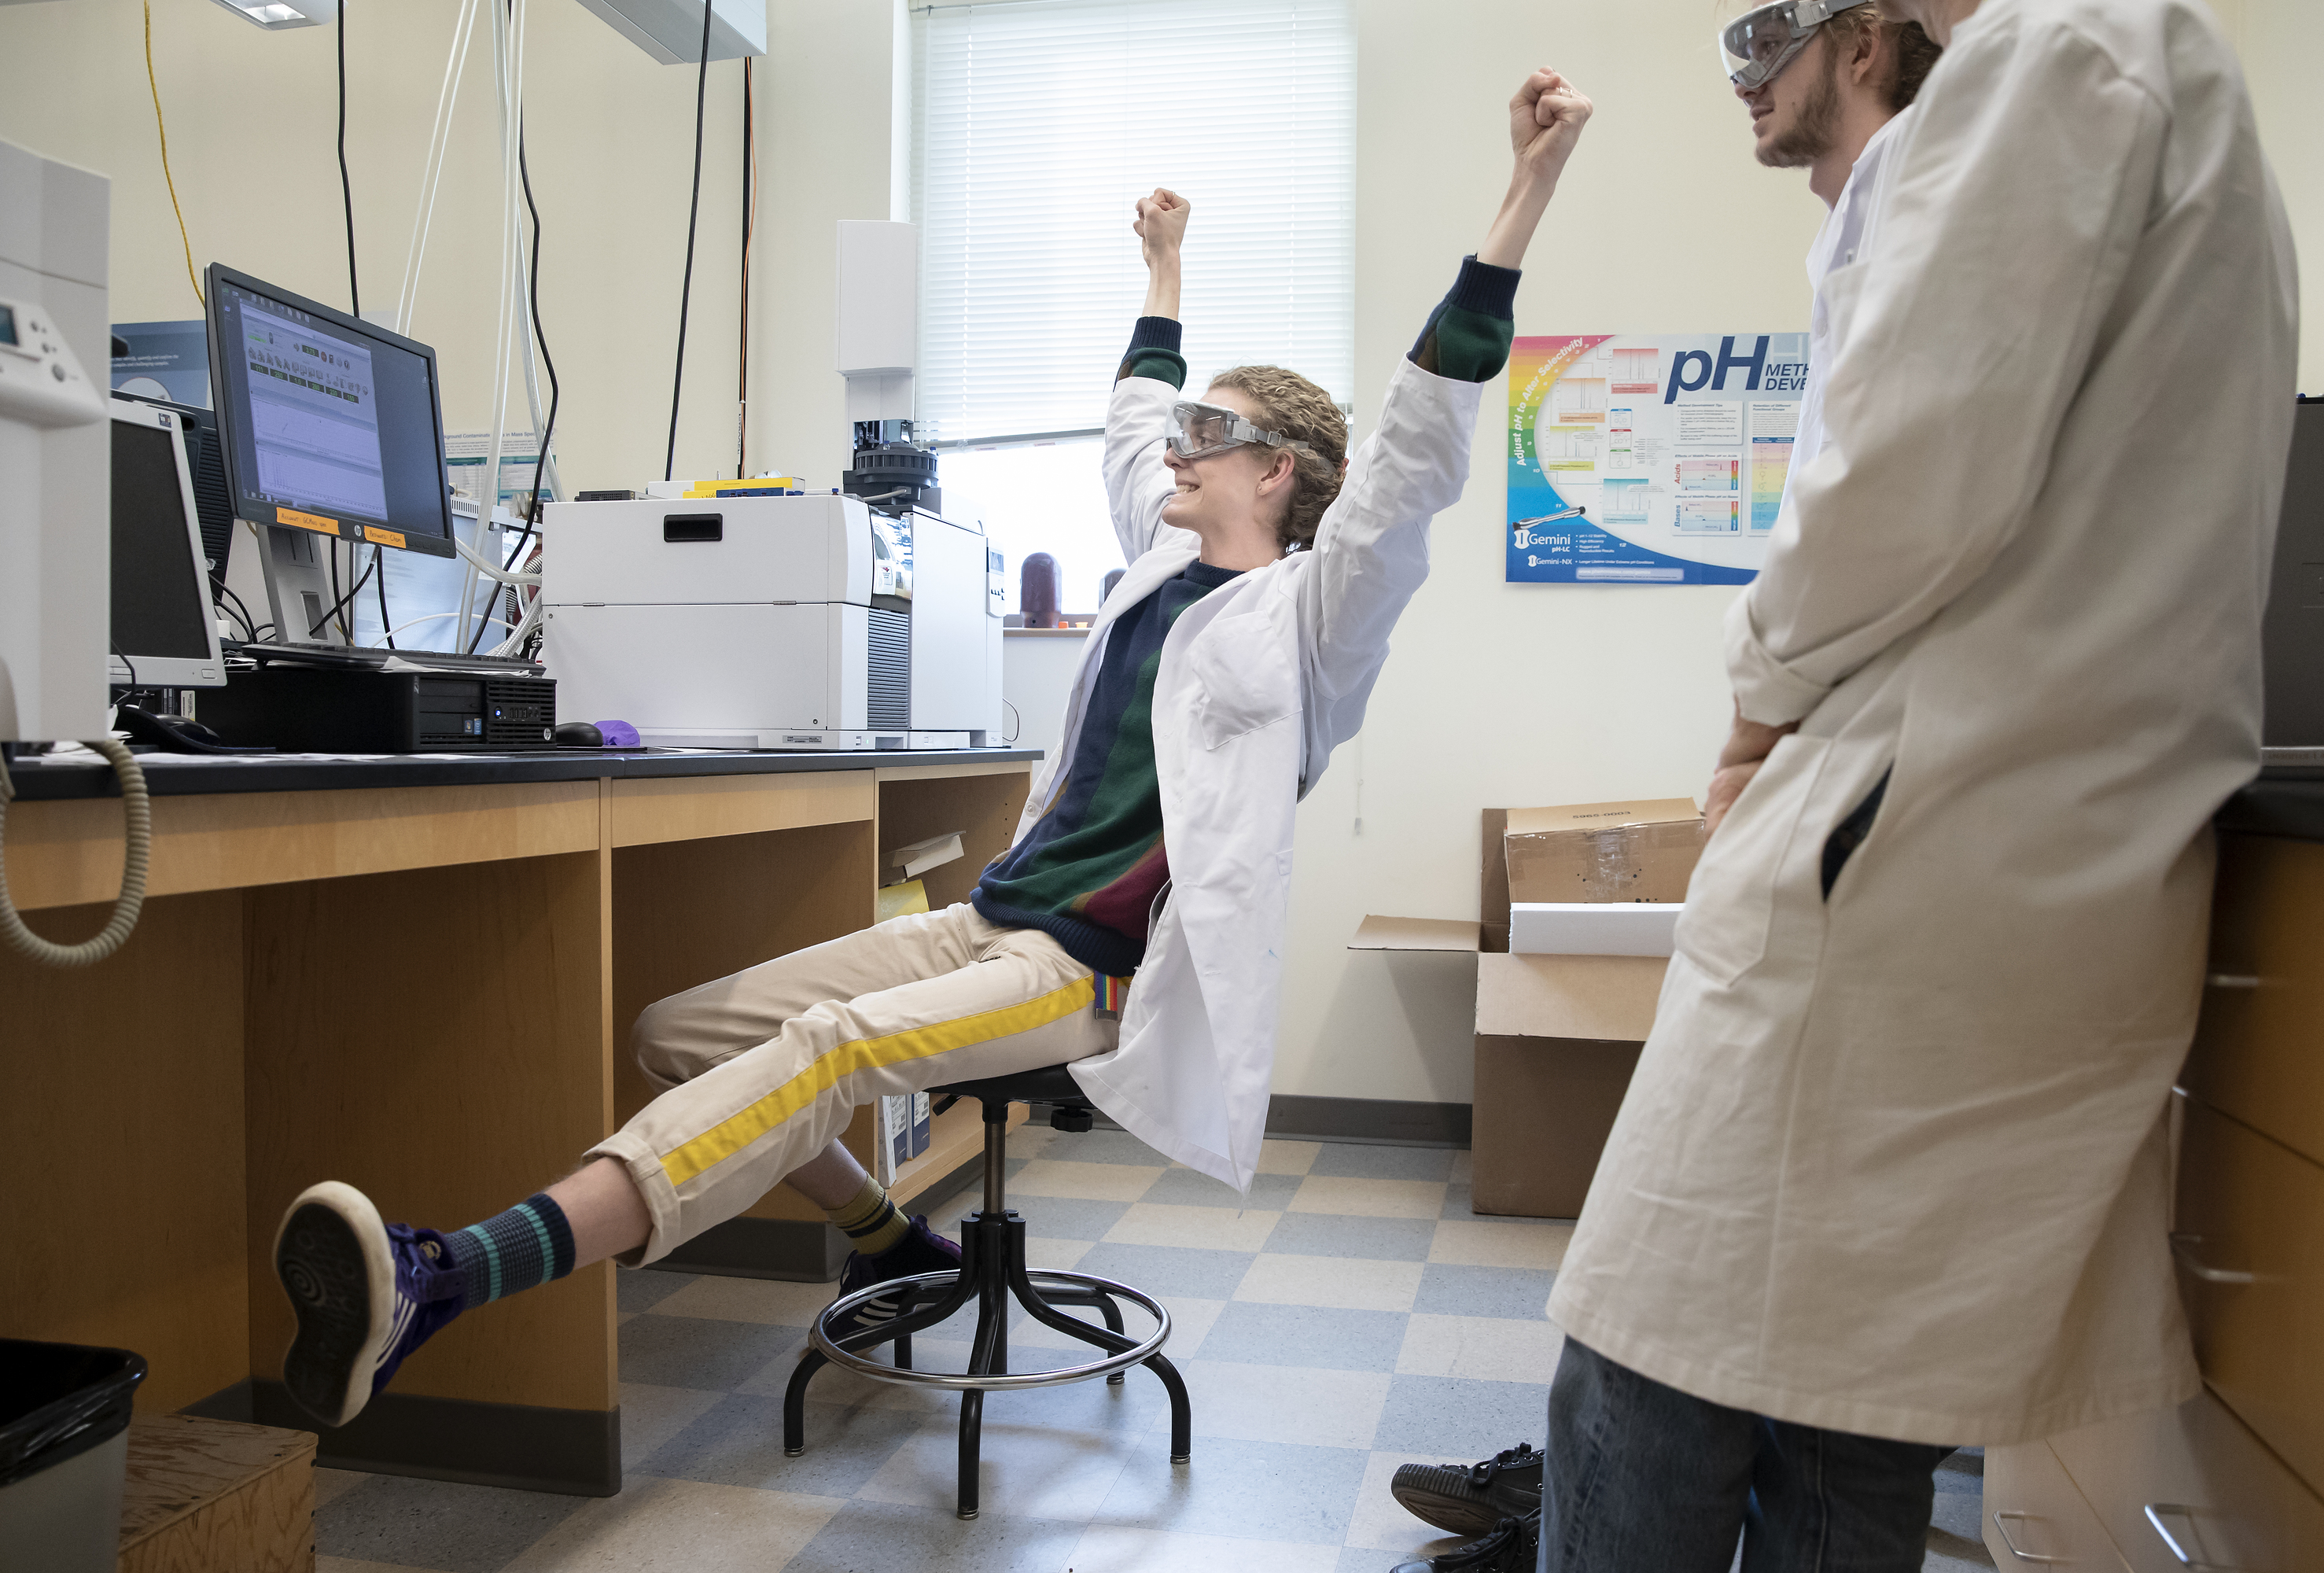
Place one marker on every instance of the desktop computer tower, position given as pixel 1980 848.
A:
pixel 302 709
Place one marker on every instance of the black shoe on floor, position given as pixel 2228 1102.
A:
pixel 1472 1501
pixel 1513 1546
pixel 921 1251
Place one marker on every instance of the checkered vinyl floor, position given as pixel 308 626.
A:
pixel 1352 1316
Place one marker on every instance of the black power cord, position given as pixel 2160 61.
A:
pixel 346 190
pixel 694 210
pixel 341 603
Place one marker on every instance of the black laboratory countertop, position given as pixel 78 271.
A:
pixel 82 775
pixel 2286 800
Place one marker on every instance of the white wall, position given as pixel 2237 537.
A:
pixel 610 139
pixel 1497 694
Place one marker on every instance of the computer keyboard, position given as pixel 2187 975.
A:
pixel 361 655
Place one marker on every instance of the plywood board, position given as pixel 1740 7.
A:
pixel 120 1146
pixel 683 808
pixel 60 854
pixel 206 1495
pixel 688 912
pixel 436 1039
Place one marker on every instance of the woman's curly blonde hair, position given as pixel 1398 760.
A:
pixel 1291 405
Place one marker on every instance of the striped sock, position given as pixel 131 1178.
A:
pixel 871 1220
pixel 524 1247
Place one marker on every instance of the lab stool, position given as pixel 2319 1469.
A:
pixel 992 1271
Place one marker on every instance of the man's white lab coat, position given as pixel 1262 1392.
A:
pixel 1258 682
pixel 1847 236
pixel 1895 1160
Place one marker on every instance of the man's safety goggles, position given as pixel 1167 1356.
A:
pixel 1758 44
pixel 1198 429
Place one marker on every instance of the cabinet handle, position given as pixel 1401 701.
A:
pixel 2240 980
pixel 2001 1523
pixel 2182 1249
pixel 2154 1512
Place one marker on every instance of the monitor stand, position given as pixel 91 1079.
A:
pixel 298 585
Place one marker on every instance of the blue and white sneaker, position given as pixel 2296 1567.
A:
pixel 366 1295
pixel 921 1251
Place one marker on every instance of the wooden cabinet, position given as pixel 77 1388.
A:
pixel 2036 1517
pixel 2249 1238
pixel 2195 1478
pixel 2230 1479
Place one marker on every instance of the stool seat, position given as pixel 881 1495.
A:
pixel 1051 1084
pixel 992 1272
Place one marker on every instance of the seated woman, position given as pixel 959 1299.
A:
pixel 1236 653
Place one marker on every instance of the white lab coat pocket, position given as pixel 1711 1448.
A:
pixel 1248 679
pixel 1731 898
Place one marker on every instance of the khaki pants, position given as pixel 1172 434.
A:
pixel 762 1069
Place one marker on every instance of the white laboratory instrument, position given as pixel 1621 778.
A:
pixel 804 622
pixel 55 449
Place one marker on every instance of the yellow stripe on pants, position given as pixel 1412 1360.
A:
pixel 739 1130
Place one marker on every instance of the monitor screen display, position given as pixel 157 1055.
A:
pixel 328 424
pixel 161 600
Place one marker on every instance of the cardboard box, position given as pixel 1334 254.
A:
pixel 1636 851
pixel 1557 1036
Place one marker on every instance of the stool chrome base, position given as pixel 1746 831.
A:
pixel 993 1270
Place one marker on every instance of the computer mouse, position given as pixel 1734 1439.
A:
pixel 174 734
pixel 579 734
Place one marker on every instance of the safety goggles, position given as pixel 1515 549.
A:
pixel 1198 429
pixel 1758 44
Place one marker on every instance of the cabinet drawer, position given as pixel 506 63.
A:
pixel 2259 1045
pixel 2250 1244
pixel 2035 1518
pixel 2225 1500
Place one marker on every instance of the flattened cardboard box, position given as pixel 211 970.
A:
pixel 1642 850
pixel 1556 1039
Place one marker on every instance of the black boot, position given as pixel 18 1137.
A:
pixel 1470 1501
pixel 1513 1546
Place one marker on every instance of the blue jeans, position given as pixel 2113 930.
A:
pixel 1643 1478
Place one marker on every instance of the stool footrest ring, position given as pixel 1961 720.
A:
pixel 821 1340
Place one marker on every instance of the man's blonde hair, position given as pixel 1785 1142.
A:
pixel 1291 405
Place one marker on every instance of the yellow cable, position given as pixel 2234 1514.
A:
pixel 191 277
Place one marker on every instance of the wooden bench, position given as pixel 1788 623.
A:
pixel 217 1496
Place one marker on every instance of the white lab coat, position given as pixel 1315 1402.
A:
pixel 1846 234
pixel 1258 682
pixel 1895 1162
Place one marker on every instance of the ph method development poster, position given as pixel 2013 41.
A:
pixel 1649 458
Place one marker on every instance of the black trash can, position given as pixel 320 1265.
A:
pixel 64 1454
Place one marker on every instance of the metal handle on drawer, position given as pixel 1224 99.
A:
pixel 2242 980
pixel 2182 1247
pixel 2154 1512
pixel 2001 1523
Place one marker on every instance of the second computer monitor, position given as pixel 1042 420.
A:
pixel 164 634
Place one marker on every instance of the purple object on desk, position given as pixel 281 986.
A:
pixel 618 733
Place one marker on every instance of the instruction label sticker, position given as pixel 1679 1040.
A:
pixel 1649 458
pixel 298 520
pixel 378 537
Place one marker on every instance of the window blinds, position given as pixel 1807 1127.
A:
pixel 1037 124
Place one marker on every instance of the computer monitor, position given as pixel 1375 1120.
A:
pixel 165 630
pixel 333 431
pixel 212 504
